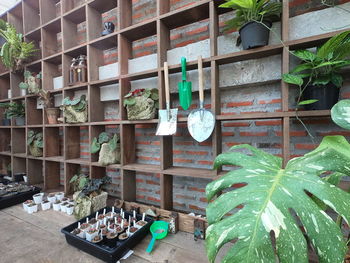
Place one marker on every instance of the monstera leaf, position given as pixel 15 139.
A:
pixel 272 198
pixel 341 114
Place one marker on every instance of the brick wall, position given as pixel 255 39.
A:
pixel 239 93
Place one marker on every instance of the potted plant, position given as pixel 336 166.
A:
pixel 253 19
pixel 75 110
pixel 79 181
pixel 142 104
pixel 15 110
pixel 318 76
pixel 14 52
pixel 35 143
pixel 32 83
pixel 108 147
pixel 91 198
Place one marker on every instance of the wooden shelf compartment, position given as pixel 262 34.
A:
pixel 35 171
pixel 52 68
pixel 53 143
pixel 31 15
pixel 67 61
pixel 52 38
pixel 34 67
pixel 52 178
pixel 19 141
pixel 190 172
pixel 71 169
pixel 72 25
pixel 5 162
pixel 34 116
pixel 50 10
pixel 76 144
pixel 19 165
pixel 15 80
pixel 70 6
pixel 15 17
pixel 4 86
pixel 5 140
pixel 36 130
pixel 96 11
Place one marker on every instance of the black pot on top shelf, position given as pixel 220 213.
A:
pixel 327 96
pixel 253 34
pixel 6 122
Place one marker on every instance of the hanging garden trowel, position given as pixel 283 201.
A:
pixel 201 122
pixel 167 118
pixel 185 88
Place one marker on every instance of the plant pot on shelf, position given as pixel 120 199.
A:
pixel 107 156
pixel 6 122
pixel 75 111
pixel 254 34
pixel 23 92
pixel 19 121
pixel 327 96
pixel 86 206
pixel 35 150
pixel 142 104
pixel 52 115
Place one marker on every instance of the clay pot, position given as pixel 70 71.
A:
pixel 52 115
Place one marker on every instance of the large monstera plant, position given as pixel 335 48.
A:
pixel 273 198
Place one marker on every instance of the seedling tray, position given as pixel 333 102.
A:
pixel 17 198
pixel 104 252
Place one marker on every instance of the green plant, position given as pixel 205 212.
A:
pixel 93 187
pixel 78 105
pixel 14 52
pixel 36 139
pixel 13 109
pixel 104 137
pixel 322 66
pixel 251 10
pixel 79 181
pixel 272 198
pixel 129 99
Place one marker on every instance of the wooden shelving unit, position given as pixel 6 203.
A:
pixel 54 60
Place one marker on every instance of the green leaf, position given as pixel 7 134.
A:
pixel 95 146
pixel 322 80
pixel 292 79
pixel 147 93
pixel 113 143
pixel 103 137
pixel 305 55
pixel 130 101
pixel 333 44
pixel 73 179
pixel 82 182
pixel 341 114
pixel 23 85
pixel 301 68
pixel 337 80
pixel 247 4
pixel 268 197
pixel 307 102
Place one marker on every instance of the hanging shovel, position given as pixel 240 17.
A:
pixel 167 118
pixel 200 122
pixel 185 88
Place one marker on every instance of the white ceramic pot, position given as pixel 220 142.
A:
pixel 56 207
pixel 23 92
pixel 45 205
pixel 26 203
pixel 59 196
pixel 69 209
pixel 51 199
pixel 38 198
pixel 64 207
pixel 90 236
pixel 33 208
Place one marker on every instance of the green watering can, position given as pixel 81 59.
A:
pixel 185 88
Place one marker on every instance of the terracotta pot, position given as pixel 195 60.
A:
pixel 52 115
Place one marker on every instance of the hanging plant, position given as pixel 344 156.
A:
pixel 35 143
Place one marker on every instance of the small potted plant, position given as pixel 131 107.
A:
pixel 51 197
pixel 75 110
pixel 59 196
pixel 108 147
pixel 141 104
pixel 38 198
pixel 13 110
pixel 91 233
pixel 32 83
pixel 45 205
pixel 253 19
pixel 64 207
pixel 32 208
pixel 56 205
pixel 26 203
pixel 69 209
pixel 35 143
pixel 318 76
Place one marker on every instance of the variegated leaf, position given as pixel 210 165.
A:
pixel 341 114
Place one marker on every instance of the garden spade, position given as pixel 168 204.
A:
pixel 200 122
pixel 167 118
pixel 185 88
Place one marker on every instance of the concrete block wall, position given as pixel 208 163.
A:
pixel 241 91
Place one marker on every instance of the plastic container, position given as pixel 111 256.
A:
pixel 70 209
pixel 51 198
pixel 32 208
pixel 59 196
pixel 46 205
pixel 38 198
pixel 254 34
pixel 56 206
pixel 327 96
pixel 103 251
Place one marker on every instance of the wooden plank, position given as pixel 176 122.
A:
pixel 128 185
pixel 125 13
pixel 163 6
pixel 190 172
pixel 166 191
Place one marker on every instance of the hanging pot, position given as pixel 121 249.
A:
pixel 52 115
pixel 327 96
pixel 253 34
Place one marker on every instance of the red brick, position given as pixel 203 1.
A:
pixel 268 123
pixel 150 44
pixel 150 198
pixel 274 101
pixel 151 182
pixel 144 126
pixel 205 162
pixel 143 142
pixel 203 199
pixel 179 204
pixel 207 143
pixel 197 31
pixel 184 143
pixel 236 124
pixel 194 207
pixel 305 146
pixel 177 152
pixel 138 180
pixel 293 133
pixel 143 53
pixel 182 160
pixel 344 133
pixel 253 133
pixel 196 189
pixel 227 134
pixel 196 153
pixel 185 197
pixel 185 43
pixel 239 104
pixel 140 197
pixel 176 36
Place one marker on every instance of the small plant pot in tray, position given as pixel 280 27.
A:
pixel 57 205
pixel 140 224
pixel 93 222
pixel 123 236
pixel 97 240
pixel 32 208
pixel 79 233
pixel 46 205
pixel 90 234
pixel 38 198
pixel 85 227
pixel 111 238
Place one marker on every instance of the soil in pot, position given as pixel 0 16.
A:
pixel 52 115
pixel 84 227
pixel 327 96
pixel 97 239
pixel 141 223
pixel 111 239
pixel 254 34
pixel 123 236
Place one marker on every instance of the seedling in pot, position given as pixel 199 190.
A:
pixel 26 203
pixel 57 205
pixel 46 205
pixel 91 233
pixel 78 232
pixel 97 239
pixel 38 198
pixel 32 208
pixel 70 209
pixel 64 207
pixel 51 198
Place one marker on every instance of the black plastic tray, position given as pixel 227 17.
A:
pixel 18 198
pixel 105 252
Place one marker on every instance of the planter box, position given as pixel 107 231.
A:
pixel 58 82
pixel 104 252
pixel 86 206
pixel 108 71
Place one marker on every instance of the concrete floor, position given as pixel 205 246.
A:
pixel 37 238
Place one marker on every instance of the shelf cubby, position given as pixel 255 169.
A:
pixel 4 86
pixel 15 80
pixel 36 130
pixel 5 162
pixel 5 140
pixel 50 9
pixel 34 116
pixel 147 144
pixel 70 5
pixel 73 30
pixel 53 174
pixel 15 17
pixel 148 188
pixel 52 37
pixel 52 69
pixel 19 137
pixel 97 11
pixel 138 11
pixel 31 15
pixel 67 61
pixel 72 169
pixel 35 171
pixel 19 165
pixel 77 145
pixel 53 144
pixel 34 67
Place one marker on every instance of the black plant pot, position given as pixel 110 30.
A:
pixel 327 96
pixel 18 177
pixel 254 34
pixel 6 122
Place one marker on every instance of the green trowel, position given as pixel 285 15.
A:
pixel 185 88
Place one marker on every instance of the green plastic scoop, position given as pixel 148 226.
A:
pixel 185 88
pixel 159 230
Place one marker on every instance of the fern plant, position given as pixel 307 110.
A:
pixel 14 52
pixel 272 199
